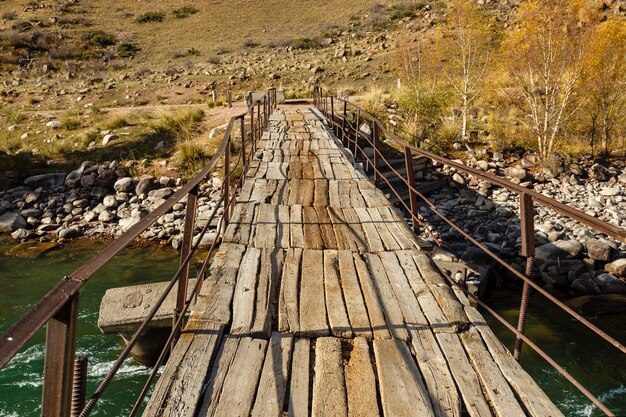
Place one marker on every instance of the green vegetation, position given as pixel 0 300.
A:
pixel 151 17
pixel 116 122
pixel 71 123
pixel 99 38
pixel 185 11
pixel 303 43
pixel 405 10
pixel 127 50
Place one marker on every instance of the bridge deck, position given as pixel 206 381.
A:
pixel 321 303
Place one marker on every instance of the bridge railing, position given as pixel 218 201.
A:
pixel 347 119
pixel 59 307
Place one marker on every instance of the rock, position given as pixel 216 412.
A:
pixel 20 234
pixel 82 203
pixel 562 272
pixel 110 201
pixel 513 172
pixel 73 178
pixel 107 138
pixel 127 223
pixel 598 250
pixel 46 181
pixel 599 173
pixel 145 185
pixel 562 249
pixel 498 156
pixel 484 165
pixel 617 268
pixel 124 185
pixel 609 191
pixel 90 216
pixel 583 286
pixel 595 305
pixel 458 179
pixel 11 221
pixel 207 240
pixel 88 180
pixel 163 193
pixel 106 216
pixel 54 124
pixel 70 233
pixel 529 161
pixel 31 198
pixel 99 192
pixel 610 284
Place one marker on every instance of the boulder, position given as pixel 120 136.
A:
pixel 108 138
pixel 598 250
pixel 583 286
pixel 617 268
pixel 110 201
pixel 513 172
pixel 20 234
pixel 163 193
pixel 124 185
pixel 33 197
pixel 562 249
pixel 70 233
pixel 73 178
pixel 610 284
pixel 46 181
pixel 609 191
pixel 145 185
pixel 599 173
pixel 11 221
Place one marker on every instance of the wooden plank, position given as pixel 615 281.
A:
pixel 265 234
pixel 534 399
pixel 244 298
pixel 288 315
pixel 495 387
pixel 354 230
pixel 296 228
pixel 391 307
pixel 267 285
pixel 361 381
pixel 388 240
pixel 220 368
pixel 178 390
pixel 372 195
pixel 398 228
pixel 370 295
pixel 283 240
pixel 329 389
pixel 356 198
pixel 321 193
pixel 337 315
pixel 239 388
pixel 312 301
pixel 312 234
pixel 326 228
pixel 464 374
pixel 399 379
pixel 355 305
pixel 335 199
pixel 374 241
pixel 270 397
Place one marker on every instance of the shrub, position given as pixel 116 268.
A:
pixel 71 123
pixel 190 157
pixel 193 51
pixel 404 10
pixel 127 50
pixel 151 17
pixel 185 11
pixel 9 15
pixel 98 38
pixel 116 123
pixel 250 43
pixel 303 43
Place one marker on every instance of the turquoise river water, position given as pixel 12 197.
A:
pixel 22 281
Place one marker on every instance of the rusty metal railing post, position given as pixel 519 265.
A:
pixel 79 386
pixel 59 360
pixel 527 219
pixel 226 216
pixel 258 120
pixel 356 131
pixel 183 281
pixel 344 137
pixel 243 143
pixel 410 177
pixel 375 144
pixel 332 113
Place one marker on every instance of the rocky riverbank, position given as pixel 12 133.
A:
pixel 570 256
pixel 98 201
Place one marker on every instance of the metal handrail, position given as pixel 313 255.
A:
pixel 58 307
pixel 350 135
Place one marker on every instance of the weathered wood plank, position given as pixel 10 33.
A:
pixel 389 241
pixel 288 314
pixel 326 228
pixel 312 234
pixel 299 387
pixel 399 378
pixel 361 381
pixel 220 368
pixel 267 218
pixel 267 285
pixel 321 193
pixel 329 388
pixel 270 397
pixel 296 228
pixel 337 315
pixel 283 239
pixel 244 298
pixel 374 241
pixel 370 295
pixel 313 321
pixel 355 305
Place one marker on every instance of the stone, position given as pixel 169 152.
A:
pixel 46 181
pixel 583 286
pixel 108 138
pixel 33 197
pixel 11 221
pixel 598 250
pixel 145 185
pixel 127 223
pixel 99 192
pixel 609 191
pixel 458 179
pixel 73 178
pixel 610 284
pixel 82 203
pixel 484 165
pixel 562 249
pixel 88 180
pixel 90 216
pixel 514 172
pixel 599 173
pixel 207 240
pixel 110 201
pixel 163 193
pixel 124 185
pixel 20 234
pixel 617 268
pixel 106 216
pixel 54 124
pixel 70 233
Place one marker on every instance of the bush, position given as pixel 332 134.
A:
pixel 185 11
pixel 9 15
pixel 98 38
pixel 250 43
pixel 151 17
pixel 190 157
pixel 116 123
pixel 127 50
pixel 71 123
pixel 303 43
pixel 404 10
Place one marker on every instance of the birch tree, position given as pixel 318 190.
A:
pixel 545 58
pixel 466 44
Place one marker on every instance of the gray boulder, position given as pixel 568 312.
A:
pixel 11 221
pixel 617 268
pixel 70 233
pixel 20 234
pixel 145 185
pixel 610 284
pixel 513 172
pixel 599 173
pixel 598 250
pixel 562 249
pixel 124 185
pixel 73 178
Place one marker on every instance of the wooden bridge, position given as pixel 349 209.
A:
pixel 322 302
